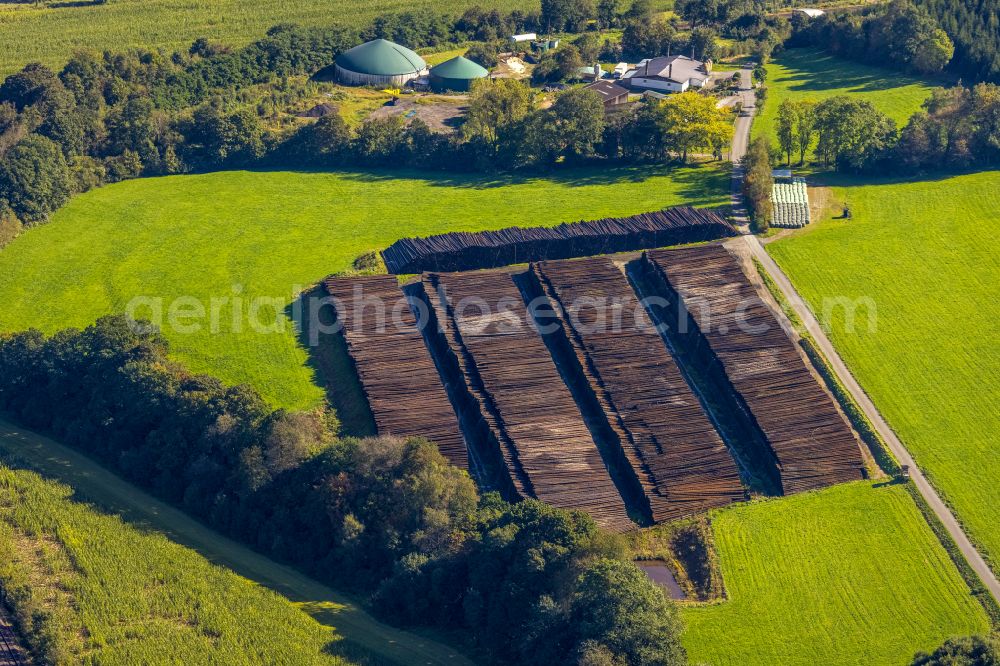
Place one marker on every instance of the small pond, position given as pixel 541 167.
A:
pixel 660 574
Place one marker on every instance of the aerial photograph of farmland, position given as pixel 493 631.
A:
pixel 501 332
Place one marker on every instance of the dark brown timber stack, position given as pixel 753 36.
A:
pixel 462 251
pixel 682 463
pixel 811 439
pixel 547 447
pixel 396 371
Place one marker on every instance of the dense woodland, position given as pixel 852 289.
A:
pixel 382 517
pixel 898 34
pixel 974 27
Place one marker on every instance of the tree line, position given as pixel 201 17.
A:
pixel 385 518
pixel 957 128
pixel 68 151
pixel 898 34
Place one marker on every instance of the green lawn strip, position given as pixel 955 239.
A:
pixel 989 604
pixel 335 611
pixel 847 575
pixel 806 74
pixel 243 235
pixel 924 253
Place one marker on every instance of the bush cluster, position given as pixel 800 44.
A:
pixel 758 183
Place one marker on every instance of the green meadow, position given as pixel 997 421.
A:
pixel 847 575
pixel 925 254
pixel 243 235
pixel 805 74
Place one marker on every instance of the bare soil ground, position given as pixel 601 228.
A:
pixel 441 116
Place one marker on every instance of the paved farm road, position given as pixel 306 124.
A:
pixel 940 509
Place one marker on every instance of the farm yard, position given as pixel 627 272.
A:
pixel 621 433
pixel 272 234
pixel 924 252
pixel 846 575
pixel 805 74
pixel 573 412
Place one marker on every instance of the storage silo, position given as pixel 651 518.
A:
pixel 456 74
pixel 379 63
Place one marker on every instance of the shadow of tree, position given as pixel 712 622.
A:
pixel 818 71
pixel 332 366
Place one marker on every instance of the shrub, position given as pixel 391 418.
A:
pixel 10 226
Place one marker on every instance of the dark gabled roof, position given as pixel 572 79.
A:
pixel 607 89
pixel 676 68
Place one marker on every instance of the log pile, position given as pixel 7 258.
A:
pixel 396 371
pixel 547 447
pixel 461 251
pixel 810 437
pixel 668 439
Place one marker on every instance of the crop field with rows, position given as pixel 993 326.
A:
pixel 51 32
pixel 115 595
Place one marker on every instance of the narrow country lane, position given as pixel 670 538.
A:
pixel 930 495
pixel 741 138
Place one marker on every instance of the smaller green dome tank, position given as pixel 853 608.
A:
pixel 456 74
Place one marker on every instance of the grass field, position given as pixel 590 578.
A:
pixel 801 74
pixel 52 32
pixel 926 253
pixel 848 575
pixel 249 234
pixel 340 618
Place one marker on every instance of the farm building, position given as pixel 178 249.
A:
pixel 379 63
pixel 456 74
pixel 611 94
pixel 672 74
pixel 811 13
pixel 791 204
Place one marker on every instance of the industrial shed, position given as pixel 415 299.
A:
pixel 456 74
pixel 379 63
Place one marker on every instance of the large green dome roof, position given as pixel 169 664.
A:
pixel 381 57
pixel 459 67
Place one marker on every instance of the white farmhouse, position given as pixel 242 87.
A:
pixel 668 74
